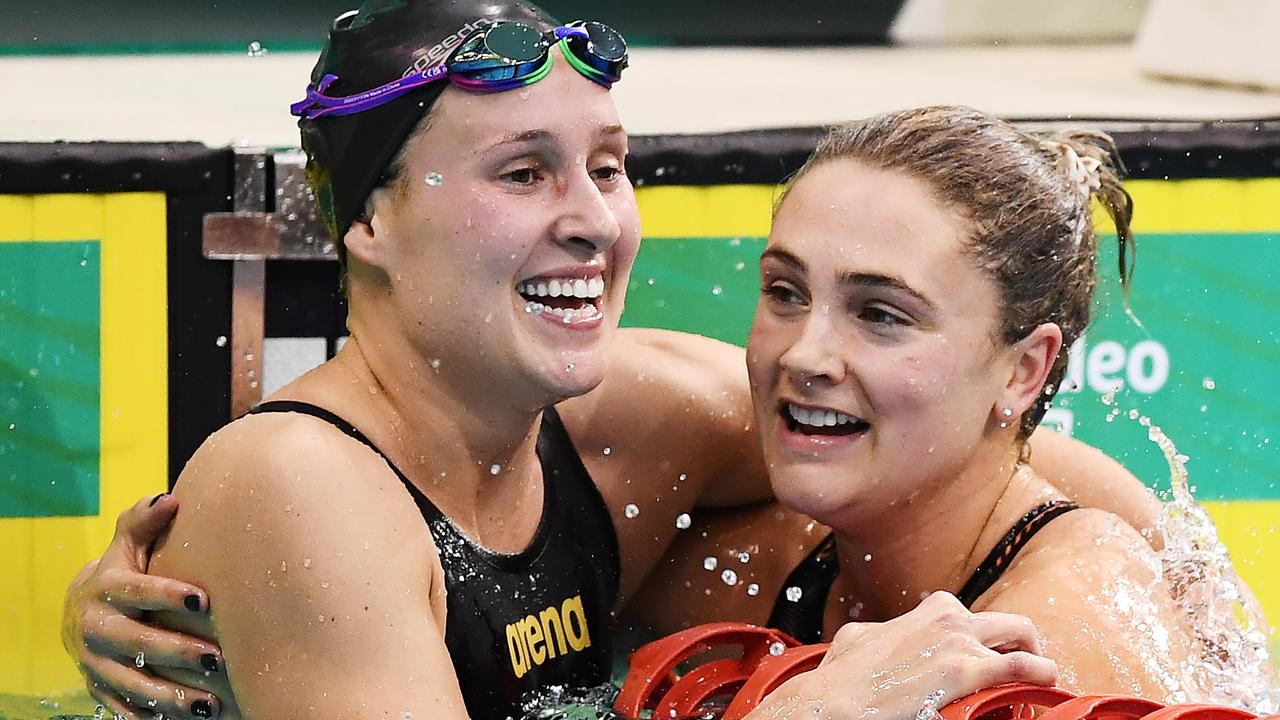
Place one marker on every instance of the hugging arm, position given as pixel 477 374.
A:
pixel 104 625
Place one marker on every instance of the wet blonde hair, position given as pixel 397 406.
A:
pixel 1031 219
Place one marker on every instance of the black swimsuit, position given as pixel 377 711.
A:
pixel 802 617
pixel 542 617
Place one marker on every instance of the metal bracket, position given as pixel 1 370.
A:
pixel 294 231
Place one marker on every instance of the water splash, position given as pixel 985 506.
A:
pixel 558 702
pixel 1235 657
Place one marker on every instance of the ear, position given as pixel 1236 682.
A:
pixel 1032 359
pixel 365 238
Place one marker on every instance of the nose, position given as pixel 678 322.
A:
pixel 586 223
pixel 814 358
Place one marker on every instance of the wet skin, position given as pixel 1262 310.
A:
pixel 447 373
pixel 870 307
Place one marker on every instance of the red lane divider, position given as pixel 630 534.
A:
pixel 767 658
pixel 1102 707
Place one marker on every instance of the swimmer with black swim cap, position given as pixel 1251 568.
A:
pixel 351 152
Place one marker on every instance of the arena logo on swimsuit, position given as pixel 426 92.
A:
pixel 535 639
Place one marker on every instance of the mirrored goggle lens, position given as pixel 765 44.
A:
pixel 606 42
pixel 515 41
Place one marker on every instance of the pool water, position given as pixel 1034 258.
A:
pixel 66 707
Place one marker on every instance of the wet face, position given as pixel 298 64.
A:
pixel 509 244
pixel 872 360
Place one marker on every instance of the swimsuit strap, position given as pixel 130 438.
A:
pixel 305 408
pixel 802 618
pixel 1002 555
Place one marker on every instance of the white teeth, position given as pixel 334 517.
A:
pixel 818 418
pixel 568 316
pixel 564 287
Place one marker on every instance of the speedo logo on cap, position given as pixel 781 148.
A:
pixel 438 52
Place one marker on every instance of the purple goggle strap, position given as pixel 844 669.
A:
pixel 317 104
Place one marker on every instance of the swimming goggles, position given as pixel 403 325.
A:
pixel 502 56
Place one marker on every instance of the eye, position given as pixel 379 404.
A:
pixel 608 173
pixel 878 315
pixel 523 176
pixel 782 293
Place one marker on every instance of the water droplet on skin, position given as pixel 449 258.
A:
pixel 608 450
pixel 140 660
pixel 435 363
pixel 306 563
pixel 631 511
pixel 682 477
pixel 683 521
pixel 568 367
pixel 1209 383
pixel 494 469
pixel 753 589
pixel 777 648
pixel 867 557
pixel 220 341
pixel 435 179
pixel 729 577
pixel 794 594
pixel 709 563
pixel 744 557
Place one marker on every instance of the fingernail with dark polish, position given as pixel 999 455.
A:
pixel 202 708
pixel 156 499
pixel 192 602
pixel 209 662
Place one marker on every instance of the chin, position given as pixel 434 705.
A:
pixel 814 492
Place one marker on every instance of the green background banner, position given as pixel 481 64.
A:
pixel 49 378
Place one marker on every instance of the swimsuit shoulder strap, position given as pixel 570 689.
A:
pixel 305 408
pixel 802 617
pixel 1002 555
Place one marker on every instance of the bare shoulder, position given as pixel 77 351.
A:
pixel 309 546
pixel 1093 587
pixel 286 489
pixel 1094 479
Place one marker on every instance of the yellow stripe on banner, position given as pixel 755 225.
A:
pixel 1160 206
pixel 1249 530
pixel 1200 206
pixel 713 211
pixel 41 555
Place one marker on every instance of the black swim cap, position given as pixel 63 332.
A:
pixel 383 41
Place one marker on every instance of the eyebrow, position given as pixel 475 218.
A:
pixel 522 137
pixel 529 136
pixel 875 280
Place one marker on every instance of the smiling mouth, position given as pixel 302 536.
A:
pixel 570 300
pixel 820 421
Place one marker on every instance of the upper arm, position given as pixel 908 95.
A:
pixel 682 401
pixel 1094 589
pixel 318 576
pixel 1092 479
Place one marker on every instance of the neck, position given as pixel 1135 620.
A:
pixel 473 450
pixel 934 541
